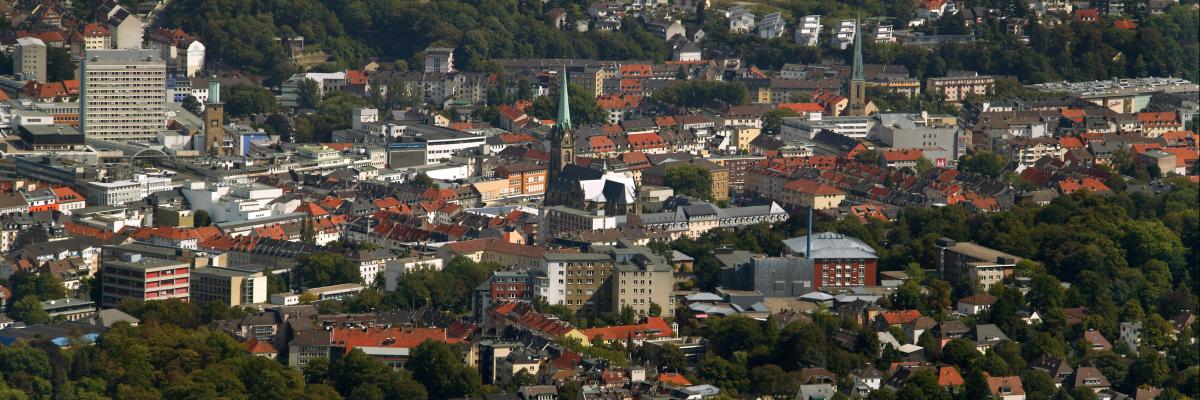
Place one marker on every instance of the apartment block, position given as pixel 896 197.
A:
pixel 139 278
pixel 123 95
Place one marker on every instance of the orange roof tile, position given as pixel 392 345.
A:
pixel 673 379
pixel 949 376
pixel 1070 142
pixel 653 327
pixel 900 317
pixel 802 107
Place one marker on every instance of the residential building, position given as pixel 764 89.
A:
pixel 771 26
pixel 1006 387
pixel 123 95
pixel 139 278
pixel 641 279
pixel 844 35
pixel 439 60
pixel 975 263
pixel 126 28
pixel 808 30
pixel 740 19
pixel 579 281
pixel 559 221
pixel 231 287
pixel 29 59
pixel 957 88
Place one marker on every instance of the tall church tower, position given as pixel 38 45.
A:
pixel 214 119
pixel 858 85
pixel 562 137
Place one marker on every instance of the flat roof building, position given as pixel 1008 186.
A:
pixel 123 95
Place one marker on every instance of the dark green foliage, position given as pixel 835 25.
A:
pixel 29 310
pixel 583 106
pixel 242 100
pixel 689 180
pixel 448 289
pixel 442 371
pixel 324 269
pixel 703 93
pixel 983 162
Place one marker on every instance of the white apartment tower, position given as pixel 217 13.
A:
pixel 123 95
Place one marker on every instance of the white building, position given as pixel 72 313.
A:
pixel 121 192
pixel 126 28
pixel 233 203
pixel 803 129
pixel 740 19
pixel 439 60
pixel 808 31
pixel 884 34
pixel 771 26
pixel 123 95
pixel 844 36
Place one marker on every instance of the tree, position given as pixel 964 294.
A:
pixel 689 180
pixel 442 372
pixel 584 109
pixel 242 100
pixel 308 94
pixel 324 269
pixel 699 93
pixel 201 218
pixel 983 162
pixel 655 310
pixel 868 157
pixel 43 284
pixel 191 104
pixel 29 310
pixel 308 234
pixel 773 120
pixel 924 165
pixel 59 65
pixel 671 358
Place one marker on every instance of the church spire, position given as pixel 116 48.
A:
pixel 564 104
pixel 858 63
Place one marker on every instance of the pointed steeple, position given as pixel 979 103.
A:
pixel 858 63
pixel 564 105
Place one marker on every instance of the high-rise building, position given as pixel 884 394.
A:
pixel 123 95
pixel 858 85
pixel 29 59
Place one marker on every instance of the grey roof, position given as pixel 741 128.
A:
pixel 831 245
pixel 989 334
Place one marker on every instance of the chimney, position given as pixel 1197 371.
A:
pixel 808 239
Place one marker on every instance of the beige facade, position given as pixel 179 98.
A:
pixel 123 95
pixel 229 286
pixel 638 287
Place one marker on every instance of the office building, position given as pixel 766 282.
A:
pixel 230 287
pixel 124 95
pixel 29 59
pixel 140 278
pixel 118 193
pixel 977 264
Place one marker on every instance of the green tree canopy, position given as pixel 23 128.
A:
pixel 689 180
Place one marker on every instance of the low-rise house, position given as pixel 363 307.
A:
pixel 1090 378
pixel 1006 387
pixel 976 304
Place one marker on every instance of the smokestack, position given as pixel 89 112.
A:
pixel 808 239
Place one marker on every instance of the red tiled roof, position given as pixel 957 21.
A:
pixel 618 101
pixel 95 29
pixel 396 337
pixel 893 155
pixel 1165 116
pixel 1011 384
pixel 653 327
pixel 1124 24
pixel 1183 155
pixel 900 317
pixel 254 346
pixel 808 186
pixel 338 146
pixel 640 141
pixel 311 209
pixel 1068 186
pixel 802 107
pixel 673 379
pixel 515 138
pixel 1070 142
pixel 356 77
